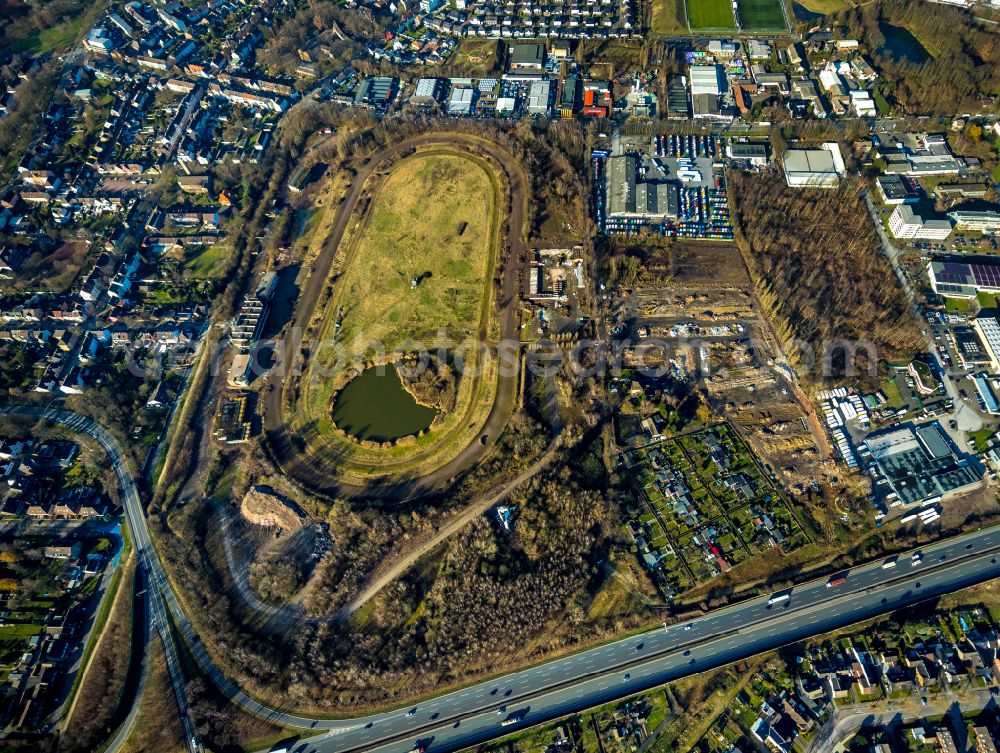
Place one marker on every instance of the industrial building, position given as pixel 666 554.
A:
pixel 630 196
pixel 897 189
pixel 814 168
pixel 539 97
pixel 987 324
pixel 569 100
pixel 677 99
pixel 527 58
pixel 249 321
pixel 983 222
pixel 917 464
pixel 707 79
pixel 377 92
pixel 905 223
pixel 428 91
pixel 461 101
pixel 964 279
pixel 755 153
pixel 987 389
pixel 920 154
pixel 707 84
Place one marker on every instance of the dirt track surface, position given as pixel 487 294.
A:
pixel 284 446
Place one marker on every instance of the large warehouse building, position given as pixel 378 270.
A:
pixel 632 197
pixel 814 168
pixel 918 464
pixel 707 79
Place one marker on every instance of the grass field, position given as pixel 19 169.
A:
pixel 207 262
pixel 668 17
pixel 710 14
pixel 433 220
pixel 761 14
pixel 824 6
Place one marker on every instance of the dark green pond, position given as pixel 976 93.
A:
pixel 900 44
pixel 802 13
pixel 375 406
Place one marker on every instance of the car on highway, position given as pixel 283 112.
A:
pixel 627 677
pixel 501 710
pixel 688 626
pixel 411 712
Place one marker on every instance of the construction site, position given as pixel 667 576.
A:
pixel 692 317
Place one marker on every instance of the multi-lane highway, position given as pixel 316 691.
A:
pixel 477 713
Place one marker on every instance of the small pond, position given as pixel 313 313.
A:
pixel 375 406
pixel 900 45
pixel 802 13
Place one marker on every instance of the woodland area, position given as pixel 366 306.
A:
pixel 431 383
pixel 487 597
pixel 815 260
pixel 962 69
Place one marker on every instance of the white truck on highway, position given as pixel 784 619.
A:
pixel 779 598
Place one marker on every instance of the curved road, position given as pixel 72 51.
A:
pixel 474 714
pixel 285 453
pixel 149 564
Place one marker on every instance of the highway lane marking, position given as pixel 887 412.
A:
pixel 613 649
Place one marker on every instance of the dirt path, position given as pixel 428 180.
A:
pixel 287 447
pixel 282 617
pixel 479 507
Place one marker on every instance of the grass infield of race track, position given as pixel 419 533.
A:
pixel 434 215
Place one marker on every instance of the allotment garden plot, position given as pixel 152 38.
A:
pixel 703 505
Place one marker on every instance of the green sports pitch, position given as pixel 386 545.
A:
pixel 763 15
pixel 710 14
pixel 766 15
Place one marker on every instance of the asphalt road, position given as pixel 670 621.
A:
pixel 473 715
pixel 157 585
